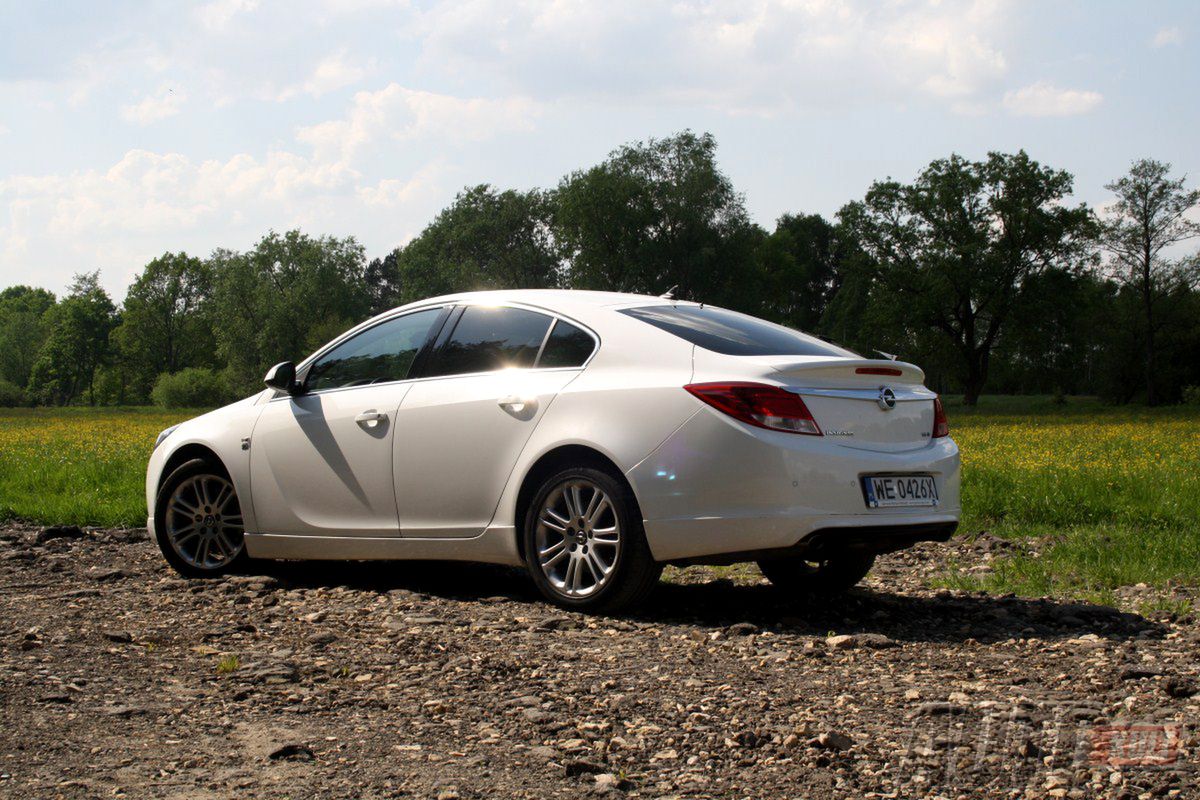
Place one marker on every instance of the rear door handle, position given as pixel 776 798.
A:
pixel 517 405
pixel 370 417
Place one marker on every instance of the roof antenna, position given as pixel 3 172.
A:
pixel 888 356
pixel 669 294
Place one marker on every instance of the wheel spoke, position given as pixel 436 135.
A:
pixel 180 541
pixel 606 536
pixel 595 559
pixel 223 497
pixel 574 501
pixel 229 547
pixel 594 513
pixel 552 520
pixel 597 495
pixel 569 575
pixel 177 500
pixel 202 492
pixel 202 552
pixel 597 575
pixel 553 549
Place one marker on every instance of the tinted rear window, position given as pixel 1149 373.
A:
pixel 487 339
pixel 568 346
pixel 733 334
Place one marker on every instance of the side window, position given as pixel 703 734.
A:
pixel 377 355
pixel 568 346
pixel 487 339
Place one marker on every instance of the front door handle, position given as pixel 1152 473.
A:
pixel 517 405
pixel 370 418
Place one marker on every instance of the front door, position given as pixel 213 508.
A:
pixel 321 462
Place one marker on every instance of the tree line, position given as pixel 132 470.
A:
pixel 984 272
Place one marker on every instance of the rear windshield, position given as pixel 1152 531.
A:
pixel 733 334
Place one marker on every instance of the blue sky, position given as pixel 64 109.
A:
pixel 132 128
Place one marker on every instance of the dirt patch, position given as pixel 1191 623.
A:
pixel 445 680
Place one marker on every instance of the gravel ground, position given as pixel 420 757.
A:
pixel 117 678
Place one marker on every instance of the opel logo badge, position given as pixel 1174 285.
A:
pixel 887 398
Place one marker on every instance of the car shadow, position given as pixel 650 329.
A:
pixel 917 616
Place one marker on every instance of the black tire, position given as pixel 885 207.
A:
pixel 830 576
pixel 189 475
pixel 634 572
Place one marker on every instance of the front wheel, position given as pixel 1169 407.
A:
pixel 198 521
pixel 584 543
pixel 828 576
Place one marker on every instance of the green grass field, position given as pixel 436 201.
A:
pixel 1105 496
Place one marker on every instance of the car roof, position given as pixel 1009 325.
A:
pixel 552 298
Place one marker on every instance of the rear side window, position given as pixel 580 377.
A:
pixel 487 339
pixel 733 334
pixel 568 346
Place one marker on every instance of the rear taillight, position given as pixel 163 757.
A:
pixel 760 405
pixel 940 426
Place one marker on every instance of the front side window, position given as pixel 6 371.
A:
pixel 733 334
pixel 383 353
pixel 487 339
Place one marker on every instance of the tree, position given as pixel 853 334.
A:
pixel 23 330
pixel 802 265
pixel 656 214
pixel 484 240
pixel 283 299
pixel 164 322
pixel 77 343
pixel 955 247
pixel 1147 219
pixel 382 277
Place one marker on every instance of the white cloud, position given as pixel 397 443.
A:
pixel 330 74
pixel 734 55
pixel 1166 36
pixel 1042 99
pixel 392 192
pixel 153 108
pixel 123 215
pixel 397 113
pixel 217 14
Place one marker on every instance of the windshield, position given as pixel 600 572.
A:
pixel 734 334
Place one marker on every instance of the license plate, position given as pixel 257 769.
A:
pixel 889 491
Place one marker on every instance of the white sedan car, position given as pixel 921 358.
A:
pixel 589 437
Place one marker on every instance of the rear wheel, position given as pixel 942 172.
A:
pixel 584 543
pixel 198 520
pixel 831 575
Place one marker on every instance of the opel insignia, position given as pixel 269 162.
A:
pixel 590 437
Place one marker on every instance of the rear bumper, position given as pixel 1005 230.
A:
pixel 718 487
pixel 829 542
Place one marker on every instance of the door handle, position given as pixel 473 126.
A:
pixel 516 404
pixel 371 417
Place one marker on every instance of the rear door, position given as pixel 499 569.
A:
pixel 461 427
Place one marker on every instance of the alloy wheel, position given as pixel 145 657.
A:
pixel 578 538
pixel 204 522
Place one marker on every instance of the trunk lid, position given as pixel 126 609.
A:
pixel 864 403
pixel 868 404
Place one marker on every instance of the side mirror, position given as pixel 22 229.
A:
pixel 282 376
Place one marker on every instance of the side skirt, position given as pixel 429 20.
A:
pixel 496 545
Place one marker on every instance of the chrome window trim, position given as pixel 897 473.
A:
pixel 371 323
